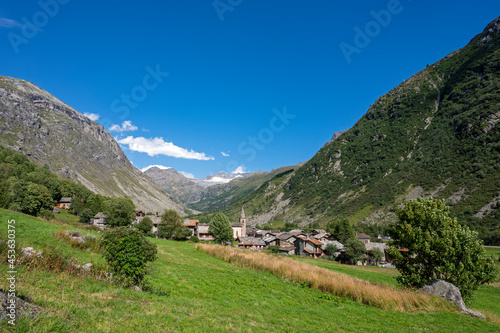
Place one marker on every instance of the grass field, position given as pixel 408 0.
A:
pixel 203 294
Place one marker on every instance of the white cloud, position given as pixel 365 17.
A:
pixel 187 174
pixel 125 127
pixel 224 154
pixel 239 170
pixel 92 116
pixel 157 146
pixel 155 166
pixel 8 23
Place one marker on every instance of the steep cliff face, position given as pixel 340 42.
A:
pixel 34 122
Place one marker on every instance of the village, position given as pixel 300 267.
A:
pixel 294 242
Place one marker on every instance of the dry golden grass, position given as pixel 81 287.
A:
pixel 342 285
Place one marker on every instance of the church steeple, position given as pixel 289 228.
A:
pixel 243 222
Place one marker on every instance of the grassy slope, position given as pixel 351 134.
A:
pixel 206 294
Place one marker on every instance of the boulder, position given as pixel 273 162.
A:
pixel 78 239
pixel 20 307
pixel 451 293
pixel 136 288
pixel 56 210
pixel 30 252
pixel 87 267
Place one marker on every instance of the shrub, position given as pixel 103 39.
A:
pixel 46 214
pixel 274 248
pixel 127 252
pixel 194 239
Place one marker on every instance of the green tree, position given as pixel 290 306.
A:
pixel 330 250
pixel 31 197
pixel 119 212
pixel 85 215
pixel 127 252
pixel 274 248
pixel 146 226
pixel 376 254
pixel 355 250
pixel 341 229
pixel 182 233
pixel 220 228
pixel 171 224
pixel 438 248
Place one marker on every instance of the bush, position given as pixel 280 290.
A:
pixel 127 252
pixel 330 250
pixel 46 214
pixel 274 248
pixel 194 239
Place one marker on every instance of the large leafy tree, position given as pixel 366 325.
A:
pixel 355 250
pixel 146 226
pixel 428 244
pixel 220 228
pixel 171 224
pixel 119 212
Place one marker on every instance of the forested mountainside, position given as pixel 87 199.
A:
pixel 435 134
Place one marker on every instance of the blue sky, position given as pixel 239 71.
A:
pixel 209 86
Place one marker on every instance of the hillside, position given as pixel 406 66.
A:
pixel 194 292
pixel 203 194
pixel 34 122
pixel 435 134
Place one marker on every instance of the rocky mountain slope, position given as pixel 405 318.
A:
pixel 436 134
pixel 213 192
pixel 34 122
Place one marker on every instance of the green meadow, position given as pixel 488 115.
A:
pixel 194 292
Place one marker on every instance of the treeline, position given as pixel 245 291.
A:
pixel 34 190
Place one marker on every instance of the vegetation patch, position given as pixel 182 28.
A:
pixel 381 296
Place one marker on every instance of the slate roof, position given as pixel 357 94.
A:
pixel 362 236
pixel 65 200
pixel 100 215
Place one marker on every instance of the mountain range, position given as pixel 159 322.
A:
pixel 435 134
pixel 48 131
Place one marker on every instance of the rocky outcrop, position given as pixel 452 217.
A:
pixel 48 131
pixel 451 293
pixel 12 308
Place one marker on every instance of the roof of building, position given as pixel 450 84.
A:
pixel 321 235
pixel 287 248
pixel 285 235
pixel 190 223
pixel 250 241
pixel 380 246
pixel 362 236
pixel 337 244
pixel 314 241
pixel 236 225
pixel 65 200
pixel 242 215
pixel 319 231
pixel 269 239
pixel 311 252
pixel 100 215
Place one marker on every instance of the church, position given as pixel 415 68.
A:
pixel 240 228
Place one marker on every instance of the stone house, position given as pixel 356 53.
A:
pixel 287 249
pixel 251 243
pixel 192 225
pixel 364 238
pixel 309 247
pixel 64 203
pixel 271 241
pixel 99 220
pixel 203 233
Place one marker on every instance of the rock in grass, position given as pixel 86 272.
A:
pixel 19 307
pixel 451 293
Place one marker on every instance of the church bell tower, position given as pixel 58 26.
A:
pixel 243 222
